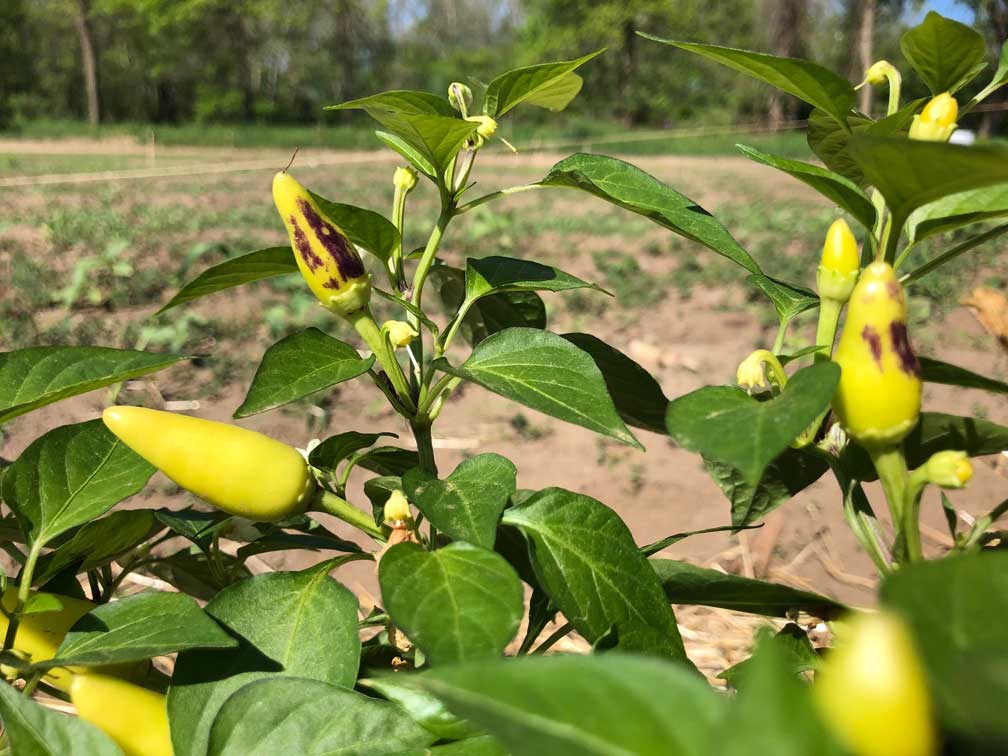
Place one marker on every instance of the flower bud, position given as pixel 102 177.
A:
pixel 460 97
pixel 871 690
pixel 485 129
pixel 948 469
pixel 404 179
pixel 937 121
pixel 400 333
pixel 840 262
pixel 327 259
pixel 879 72
pixel 239 471
pixel 397 509
pixel 878 399
pixel 757 367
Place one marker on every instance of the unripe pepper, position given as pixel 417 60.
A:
pixel 327 258
pixel 39 634
pixel 135 718
pixel 239 471
pixel 872 693
pixel 879 395
pixel 937 121
pixel 839 264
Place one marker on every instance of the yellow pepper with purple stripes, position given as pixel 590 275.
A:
pixel 328 260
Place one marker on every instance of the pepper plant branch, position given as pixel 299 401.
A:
pixel 23 594
pixel 951 254
pixel 497 195
pixel 330 503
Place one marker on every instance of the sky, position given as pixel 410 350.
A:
pixel 949 8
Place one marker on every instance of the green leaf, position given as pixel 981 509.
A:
pixel 467 505
pixel 956 609
pixel 610 705
pixel 546 82
pixel 936 371
pixel 546 373
pixel 335 449
pixel 388 460
pixel 790 300
pixel 299 365
pixel 138 627
pixel 729 426
pixel 97 543
pixel 422 707
pixel 459 603
pixel 193 524
pixel 808 81
pixel 638 397
pixel 586 560
pixel 485 745
pixel 409 152
pixel 793 646
pixel 69 476
pixel 425 122
pixel 632 189
pixel 36 730
pixel 311 718
pixel 301 624
pixel 957 210
pixel 367 229
pixel 34 377
pixel 835 187
pixel 948 55
pixel 787 475
pixel 686 583
pixel 492 312
pixel 248 268
pixel 488 275
pixel 910 173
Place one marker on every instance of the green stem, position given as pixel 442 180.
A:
pixel 429 254
pixel 496 195
pixel 425 445
pixel 442 346
pixel 553 639
pixel 397 276
pixel 858 513
pixel 23 594
pixel 365 325
pixel 943 258
pixel 895 83
pixel 778 344
pixel 446 382
pixel 32 683
pixel 890 463
pixel 829 316
pixel 344 510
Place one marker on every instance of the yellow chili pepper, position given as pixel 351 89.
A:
pixel 327 258
pixel 872 693
pixel 878 399
pixel 39 634
pixel 237 470
pixel 840 262
pixel 135 718
pixel 937 121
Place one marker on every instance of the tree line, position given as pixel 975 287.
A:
pixel 282 61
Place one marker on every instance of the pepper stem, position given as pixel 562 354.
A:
pixel 890 463
pixel 365 325
pixel 829 316
pixel 329 502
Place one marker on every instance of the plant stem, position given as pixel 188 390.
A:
pixel 829 316
pixel 496 195
pixel 425 445
pixel 397 276
pixel 778 344
pixel 429 254
pixel 552 640
pixel 890 463
pixel 365 325
pixel 943 258
pixel 326 501
pixel 23 594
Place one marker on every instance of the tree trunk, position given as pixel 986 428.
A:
pixel 788 21
pixel 862 46
pixel 89 60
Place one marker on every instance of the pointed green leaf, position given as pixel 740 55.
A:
pixel 841 190
pixel 936 371
pixel 238 271
pixel 632 189
pixel 98 542
pixel 408 101
pixel 557 95
pixel 545 372
pixel 465 506
pixel 36 730
pixel 34 377
pixel 808 81
pixel 790 300
pixel 312 718
pixel 301 624
pixel 586 560
pixel 388 460
pixel 611 705
pixel 424 708
pixel 459 603
pixel 69 476
pixel 948 55
pixel 495 274
pixel 547 82
pixel 299 365
pixel 957 210
pixel 729 426
pixel 412 155
pixel 332 451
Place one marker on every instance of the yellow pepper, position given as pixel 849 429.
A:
pixel 239 471
pixel 937 121
pixel 879 395
pixel 871 690
pixel 135 718
pixel 39 634
pixel 327 258
pixel 840 262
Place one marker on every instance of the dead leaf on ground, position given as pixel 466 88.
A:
pixel 991 308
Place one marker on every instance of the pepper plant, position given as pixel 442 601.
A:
pixel 479 578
